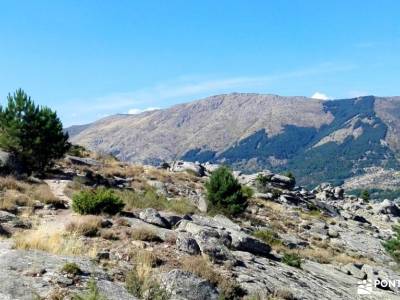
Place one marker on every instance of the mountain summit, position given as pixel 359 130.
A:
pixel 317 140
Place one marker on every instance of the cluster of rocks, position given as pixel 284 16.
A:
pixel 196 168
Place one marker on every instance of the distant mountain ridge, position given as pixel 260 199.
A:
pixel 317 140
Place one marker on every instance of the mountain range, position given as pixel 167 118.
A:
pixel 317 140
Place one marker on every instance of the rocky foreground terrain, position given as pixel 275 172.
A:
pixel 290 243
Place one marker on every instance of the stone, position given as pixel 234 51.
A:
pixel 355 270
pixel 171 219
pixel 387 207
pixel 83 161
pixel 183 285
pixel 283 182
pixel 333 232
pixel 182 166
pixel 6 216
pixel 244 242
pixel 360 219
pixel 23 224
pixel 160 187
pixel 64 281
pixel 212 245
pixel 289 199
pixel 150 215
pixel 186 243
pixel 209 168
pixel 105 223
pixel 103 255
pixel 4 232
pixel 338 192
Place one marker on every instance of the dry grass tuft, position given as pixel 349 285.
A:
pixel 201 267
pixel 43 193
pixel 49 240
pixel 11 183
pixel 12 198
pixel 122 170
pixel 144 234
pixel 84 225
pixel 110 234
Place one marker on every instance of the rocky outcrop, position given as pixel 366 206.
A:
pixel 150 215
pixel 183 285
pixel 27 275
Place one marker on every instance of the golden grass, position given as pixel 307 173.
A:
pixel 43 193
pixel 122 170
pixel 150 198
pixel 202 267
pixel 325 255
pixel 12 198
pixel 84 225
pixel 144 234
pixel 19 193
pixel 50 240
pixel 11 183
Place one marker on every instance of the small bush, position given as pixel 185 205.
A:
pixel 261 179
pixel 364 195
pixel 77 150
pixel 292 259
pixel 96 202
pixel 224 193
pixel 392 246
pixel 71 269
pixel 268 236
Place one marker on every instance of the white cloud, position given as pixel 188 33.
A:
pixel 320 96
pixel 135 111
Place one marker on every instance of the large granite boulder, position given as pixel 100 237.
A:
pixel 183 285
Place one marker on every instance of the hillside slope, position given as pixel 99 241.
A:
pixel 317 140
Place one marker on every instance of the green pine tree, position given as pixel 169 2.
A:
pixel 32 134
pixel 224 192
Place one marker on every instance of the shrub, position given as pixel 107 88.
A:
pixel 392 246
pixel 224 192
pixel 290 175
pixel 292 259
pixel 365 195
pixel 77 150
pixel 71 269
pixel 262 179
pixel 97 201
pixel 32 134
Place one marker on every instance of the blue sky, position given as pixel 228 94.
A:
pixel 88 59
